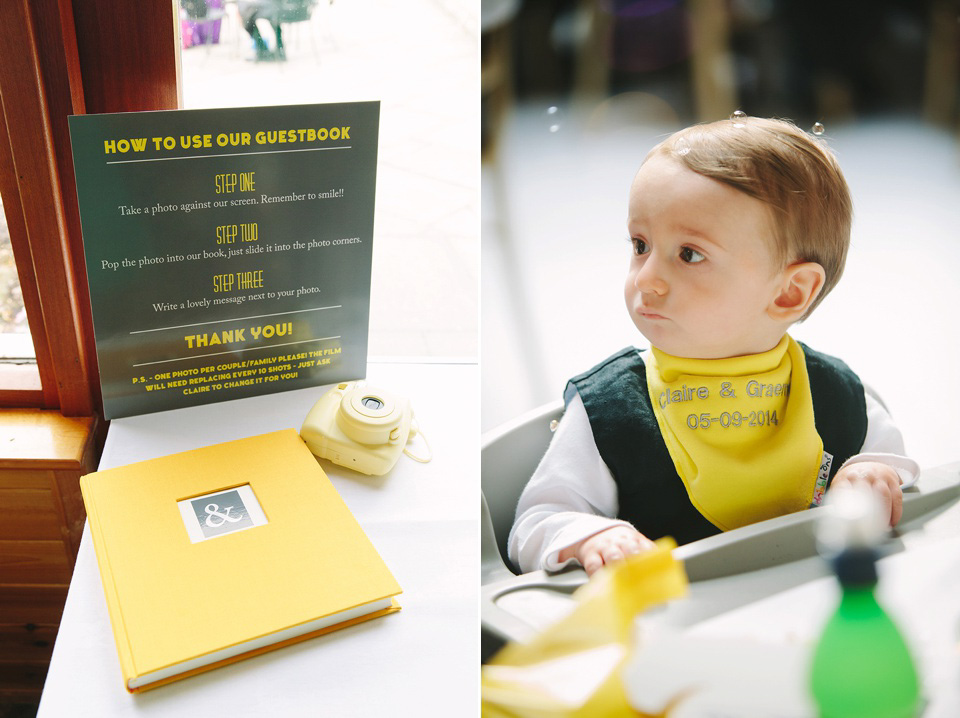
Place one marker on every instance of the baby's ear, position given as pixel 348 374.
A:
pixel 801 285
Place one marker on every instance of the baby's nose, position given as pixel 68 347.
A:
pixel 650 279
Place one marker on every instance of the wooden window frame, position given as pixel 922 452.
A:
pixel 62 58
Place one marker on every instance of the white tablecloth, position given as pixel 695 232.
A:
pixel 421 517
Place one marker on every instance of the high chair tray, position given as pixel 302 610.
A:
pixel 729 569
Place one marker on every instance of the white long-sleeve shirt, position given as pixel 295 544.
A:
pixel 572 494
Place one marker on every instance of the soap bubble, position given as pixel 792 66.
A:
pixel 818 129
pixel 681 147
pixel 738 118
pixel 554 118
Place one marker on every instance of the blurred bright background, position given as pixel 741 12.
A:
pixel 575 92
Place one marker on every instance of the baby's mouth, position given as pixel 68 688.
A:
pixel 649 313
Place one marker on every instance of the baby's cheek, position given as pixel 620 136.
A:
pixel 629 294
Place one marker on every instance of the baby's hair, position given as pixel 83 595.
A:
pixel 785 168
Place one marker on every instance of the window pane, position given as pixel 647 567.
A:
pixel 15 342
pixel 419 59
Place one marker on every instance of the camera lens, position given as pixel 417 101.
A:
pixel 371 402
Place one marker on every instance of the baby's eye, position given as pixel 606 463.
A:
pixel 639 246
pixel 691 256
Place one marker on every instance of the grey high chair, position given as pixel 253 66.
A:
pixel 509 455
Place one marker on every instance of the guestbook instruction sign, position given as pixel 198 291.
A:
pixel 228 251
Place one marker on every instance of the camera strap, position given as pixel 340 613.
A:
pixel 414 432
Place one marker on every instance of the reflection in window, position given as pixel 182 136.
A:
pixel 244 53
pixel 15 341
pixel 418 58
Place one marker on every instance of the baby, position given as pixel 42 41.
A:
pixel 739 229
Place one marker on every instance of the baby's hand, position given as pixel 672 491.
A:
pixel 609 545
pixel 883 480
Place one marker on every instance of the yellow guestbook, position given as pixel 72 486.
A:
pixel 220 553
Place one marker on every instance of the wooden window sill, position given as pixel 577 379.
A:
pixel 43 438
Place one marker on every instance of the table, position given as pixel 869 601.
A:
pixel 422 519
pixel 919 585
pixel 754 658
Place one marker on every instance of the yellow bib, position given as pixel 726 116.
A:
pixel 740 431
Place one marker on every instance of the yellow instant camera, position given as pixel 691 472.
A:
pixel 360 427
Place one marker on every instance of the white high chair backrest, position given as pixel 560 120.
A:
pixel 508 456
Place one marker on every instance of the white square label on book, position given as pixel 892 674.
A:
pixel 220 513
